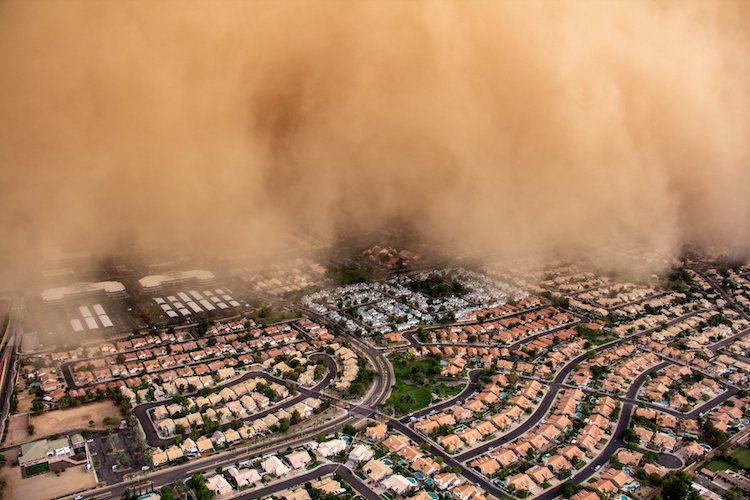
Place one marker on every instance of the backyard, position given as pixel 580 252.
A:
pixel 717 465
pixel 741 457
pixel 416 383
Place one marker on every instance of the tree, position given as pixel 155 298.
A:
pixel 676 486
pixel 297 418
pixel 629 436
pixel 166 493
pixel 37 405
pixel 350 430
pixel 30 430
pixel 567 489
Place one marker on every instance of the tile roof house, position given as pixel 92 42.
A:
pixel 521 482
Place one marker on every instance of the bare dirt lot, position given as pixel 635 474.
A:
pixel 62 421
pixel 17 430
pixel 43 486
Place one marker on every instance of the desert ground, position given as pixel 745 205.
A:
pixel 62 421
pixel 44 486
pixel 17 430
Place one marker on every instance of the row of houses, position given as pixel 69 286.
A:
pixel 379 472
pixel 483 415
pixel 551 433
pixel 159 359
pixel 218 439
pixel 349 366
pixel 236 402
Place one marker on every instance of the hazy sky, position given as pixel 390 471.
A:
pixel 510 126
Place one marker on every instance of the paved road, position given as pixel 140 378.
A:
pixel 715 348
pixel 208 464
pixel 549 397
pixel 729 299
pixel 378 394
pixel 553 387
pixel 471 386
pixel 323 470
pixel 470 474
pixel 616 442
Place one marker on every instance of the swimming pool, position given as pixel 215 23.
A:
pixel 387 462
pixel 745 421
pixel 432 495
pixel 412 481
pixel 419 475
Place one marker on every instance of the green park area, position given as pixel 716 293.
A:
pixel 717 465
pixel 418 383
pixel 270 315
pixel 741 456
pixel 737 459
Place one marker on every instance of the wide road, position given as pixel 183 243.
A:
pixel 208 464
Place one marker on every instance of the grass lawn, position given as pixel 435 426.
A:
pixel 718 465
pixel 415 384
pixel 742 457
pixel 267 316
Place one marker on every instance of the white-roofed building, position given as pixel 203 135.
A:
pixel 328 448
pixel 107 289
pixel 361 453
pixel 155 282
pixel 272 465
pixel 218 484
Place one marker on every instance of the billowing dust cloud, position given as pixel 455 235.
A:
pixel 508 126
